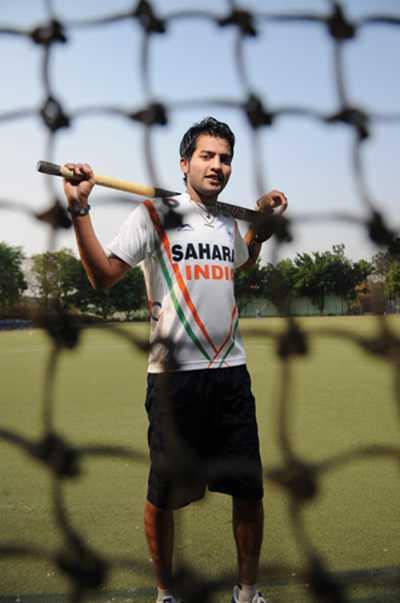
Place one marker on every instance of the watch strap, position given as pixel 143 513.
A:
pixel 78 210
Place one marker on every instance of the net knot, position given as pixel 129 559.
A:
pixel 339 27
pixel 379 232
pixel 55 452
pixel 386 346
pixel 256 113
pixel 292 343
pixel 153 114
pixel 354 117
pixel 145 14
pixel 323 583
pixel 56 216
pixel 394 248
pixel 243 19
pixel 51 32
pixel 53 115
pixel 86 569
pixel 172 220
pixel 193 587
pixel 62 327
pixel 169 351
pixel 275 225
pixel 299 478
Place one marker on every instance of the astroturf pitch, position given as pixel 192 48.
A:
pixel 340 398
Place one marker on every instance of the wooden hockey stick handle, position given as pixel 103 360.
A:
pixel 235 211
pixel 46 167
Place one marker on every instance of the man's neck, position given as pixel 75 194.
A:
pixel 203 199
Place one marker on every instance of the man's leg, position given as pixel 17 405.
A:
pixel 248 525
pixel 159 530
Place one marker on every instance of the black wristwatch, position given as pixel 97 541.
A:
pixel 78 210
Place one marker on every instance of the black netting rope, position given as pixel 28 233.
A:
pixel 86 569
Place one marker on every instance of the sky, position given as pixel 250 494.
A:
pixel 286 65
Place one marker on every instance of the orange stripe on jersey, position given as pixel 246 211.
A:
pixel 175 267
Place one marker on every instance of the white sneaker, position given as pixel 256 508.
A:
pixel 168 599
pixel 258 598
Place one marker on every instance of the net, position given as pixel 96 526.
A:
pixel 87 569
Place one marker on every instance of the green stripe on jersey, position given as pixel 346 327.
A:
pixel 178 307
pixel 228 351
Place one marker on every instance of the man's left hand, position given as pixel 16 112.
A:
pixel 274 202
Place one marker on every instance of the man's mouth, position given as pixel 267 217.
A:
pixel 215 179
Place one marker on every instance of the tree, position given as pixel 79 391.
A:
pixel 386 264
pixel 278 283
pixel 362 270
pixel 129 294
pixel 361 292
pixel 12 279
pixel 382 260
pixel 312 279
pixel 339 250
pixel 50 283
pixel 59 278
pixel 248 283
pixel 329 273
pixel 392 281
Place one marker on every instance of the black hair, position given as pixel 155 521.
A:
pixel 210 126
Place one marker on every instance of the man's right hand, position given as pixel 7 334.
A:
pixel 77 193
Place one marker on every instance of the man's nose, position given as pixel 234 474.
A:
pixel 216 163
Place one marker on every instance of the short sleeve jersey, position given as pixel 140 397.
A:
pixel 189 272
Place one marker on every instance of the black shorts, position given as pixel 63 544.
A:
pixel 202 433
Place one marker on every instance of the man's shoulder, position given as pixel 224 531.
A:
pixel 178 202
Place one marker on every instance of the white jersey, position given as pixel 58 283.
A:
pixel 189 272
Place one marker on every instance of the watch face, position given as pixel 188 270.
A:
pixel 75 210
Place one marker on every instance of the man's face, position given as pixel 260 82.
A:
pixel 209 168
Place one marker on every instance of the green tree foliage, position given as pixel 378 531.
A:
pixel 392 281
pixel 362 270
pixel 321 274
pixel 383 260
pixel 50 283
pixel 386 264
pixel 59 278
pixel 12 279
pixel 278 283
pixel 311 278
pixel 129 294
pixel 315 276
pixel 248 283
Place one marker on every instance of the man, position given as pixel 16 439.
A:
pixel 199 400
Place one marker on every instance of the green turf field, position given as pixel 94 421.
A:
pixel 340 398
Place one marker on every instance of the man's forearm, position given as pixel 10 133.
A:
pixel 98 266
pixel 254 249
pixel 102 271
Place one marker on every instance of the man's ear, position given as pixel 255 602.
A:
pixel 184 164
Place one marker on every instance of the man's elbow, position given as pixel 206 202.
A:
pixel 101 281
pixel 247 264
pixel 105 275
